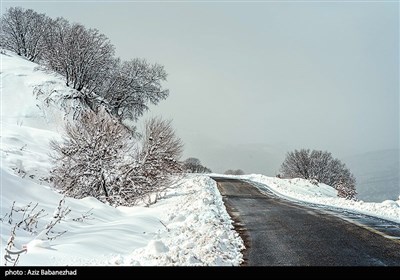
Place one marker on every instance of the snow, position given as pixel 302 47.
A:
pixel 189 226
pixel 303 190
pixel 20 106
pixel 197 231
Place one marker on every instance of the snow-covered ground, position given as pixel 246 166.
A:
pixel 189 226
pixel 303 190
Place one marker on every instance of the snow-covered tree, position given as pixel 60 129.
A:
pixel 83 56
pixel 56 43
pixel 88 161
pixel 131 86
pixel 157 160
pixel 193 165
pixel 22 31
pixel 100 157
pixel 345 183
pixel 320 166
pixel 161 146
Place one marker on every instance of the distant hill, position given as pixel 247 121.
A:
pixel 377 174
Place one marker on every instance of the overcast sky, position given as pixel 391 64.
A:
pixel 250 81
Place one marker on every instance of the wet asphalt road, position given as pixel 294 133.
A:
pixel 278 232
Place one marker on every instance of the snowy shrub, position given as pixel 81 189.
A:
pixel 322 167
pixel 88 162
pixel 11 255
pixel 161 147
pixel 193 165
pixel 157 161
pixel 27 218
pixel 101 158
pixel 346 190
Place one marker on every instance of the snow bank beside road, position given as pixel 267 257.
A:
pixel 198 230
pixel 302 190
pixel 190 226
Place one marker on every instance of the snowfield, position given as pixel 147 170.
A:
pixel 188 226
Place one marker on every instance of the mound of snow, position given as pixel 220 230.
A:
pixel 390 203
pixel 138 235
pixel 156 247
pixel 303 190
pixel 198 230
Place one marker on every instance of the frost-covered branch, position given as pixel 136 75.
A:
pixel 88 215
pixel 11 256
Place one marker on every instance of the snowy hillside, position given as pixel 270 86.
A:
pixel 190 226
pixel 22 81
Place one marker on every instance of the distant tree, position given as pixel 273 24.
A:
pixel 234 172
pixel 239 172
pixel 22 31
pixel 297 164
pixel 193 165
pixel 320 166
pixel 89 161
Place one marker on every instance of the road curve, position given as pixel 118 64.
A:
pixel 280 233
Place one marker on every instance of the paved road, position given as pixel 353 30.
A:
pixel 278 232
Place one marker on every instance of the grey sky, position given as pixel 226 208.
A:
pixel 250 81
